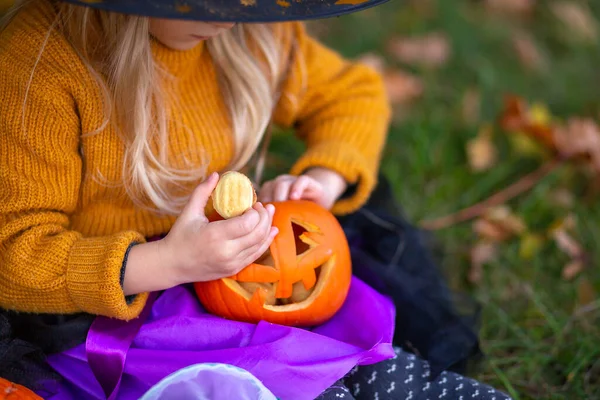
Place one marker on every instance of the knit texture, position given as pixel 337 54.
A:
pixel 64 233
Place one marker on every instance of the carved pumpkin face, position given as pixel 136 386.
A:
pixel 302 280
pixel 12 391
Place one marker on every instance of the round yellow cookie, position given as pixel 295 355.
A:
pixel 233 195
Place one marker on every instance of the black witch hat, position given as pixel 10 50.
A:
pixel 241 11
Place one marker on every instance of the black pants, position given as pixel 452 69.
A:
pixel 407 377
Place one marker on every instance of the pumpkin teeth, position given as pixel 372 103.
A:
pixel 233 195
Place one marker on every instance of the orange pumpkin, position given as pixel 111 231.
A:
pixel 12 391
pixel 302 280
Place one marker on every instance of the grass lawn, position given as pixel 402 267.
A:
pixel 540 331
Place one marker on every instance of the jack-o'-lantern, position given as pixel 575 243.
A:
pixel 302 280
pixel 12 391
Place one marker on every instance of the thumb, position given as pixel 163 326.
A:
pixel 199 198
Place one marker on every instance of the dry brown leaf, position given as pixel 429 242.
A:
pixel 577 18
pixel 518 116
pixel 563 198
pixel 498 224
pixel 585 292
pixel 481 254
pixel 528 52
pixel 572 269
pixel 481 151
pixel 503 216
pixel 374 61
pixel 567 243
pixel 401 87
pixel 580 138
pixel 471 106
pixel 520 7
pixel 431 50
pixel 490 231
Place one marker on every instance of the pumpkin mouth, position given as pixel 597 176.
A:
pixel 301 297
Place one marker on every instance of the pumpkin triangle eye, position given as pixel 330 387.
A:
pixel 298 229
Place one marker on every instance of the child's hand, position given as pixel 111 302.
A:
pixel 201 251
pixel 321 185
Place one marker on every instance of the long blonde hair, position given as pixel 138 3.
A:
pixel 117 51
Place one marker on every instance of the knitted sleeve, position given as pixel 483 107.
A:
pixel 340 110
pixel 45 266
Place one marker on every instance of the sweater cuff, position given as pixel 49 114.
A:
pixel 350 164
pixel 94 276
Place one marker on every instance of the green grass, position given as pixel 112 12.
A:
pixel 537 346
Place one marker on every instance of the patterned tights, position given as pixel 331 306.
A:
pixel 405 377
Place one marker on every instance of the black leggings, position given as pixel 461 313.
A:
pixel 406 377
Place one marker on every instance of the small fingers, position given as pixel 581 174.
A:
pixel 262 228
pixel 265 195
pixel 254 253
pixel 239 226
pixel 281 190
pixel 305 187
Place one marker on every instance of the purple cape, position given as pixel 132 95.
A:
pixel 124 360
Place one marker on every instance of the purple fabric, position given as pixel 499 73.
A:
pixel 291 362
pixel 107 344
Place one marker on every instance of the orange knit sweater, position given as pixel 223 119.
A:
pixel 63 234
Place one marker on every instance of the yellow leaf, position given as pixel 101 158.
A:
pixel 531 244
pixel 540 114
pixel 525 145
pixel 481 151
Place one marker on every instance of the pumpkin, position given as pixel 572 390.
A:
pixel 12 391
pixel 302 280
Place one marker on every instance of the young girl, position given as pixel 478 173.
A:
pixel 115 118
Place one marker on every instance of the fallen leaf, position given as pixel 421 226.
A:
pixel 563 198
pixel 585 292
pixel 580 138
pixel 523 144
pixel 577 18
pixel 490 231
pixel 528 52
pixel 503 216
pixel 374 61
pixel 572 269
pixel 431 50
pixel 401 87
pixel 498 224
pixel 481 151
pixel 567 243
pixel 530 245
pixel 519 7
pixel 471 106
pixel 559 231
pixel 481 254
pixel 534 121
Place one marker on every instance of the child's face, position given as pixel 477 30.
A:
pixel 184 35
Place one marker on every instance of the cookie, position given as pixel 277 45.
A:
pixel 233 195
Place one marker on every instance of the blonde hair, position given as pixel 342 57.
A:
pixel 117 51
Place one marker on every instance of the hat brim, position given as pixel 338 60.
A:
pixel 240 11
